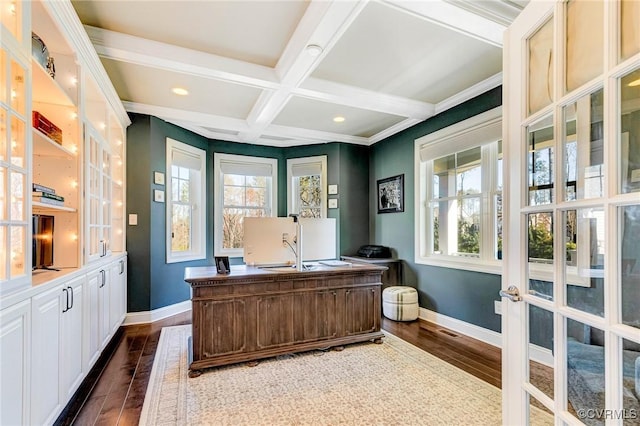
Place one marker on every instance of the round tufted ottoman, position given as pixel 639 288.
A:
pixel 400 303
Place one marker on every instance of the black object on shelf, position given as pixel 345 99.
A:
pixel 373 251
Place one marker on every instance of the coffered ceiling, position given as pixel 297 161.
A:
pixel 280 72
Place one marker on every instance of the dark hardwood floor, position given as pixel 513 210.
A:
pixel 117 396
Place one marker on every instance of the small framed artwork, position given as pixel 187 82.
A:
pixel 158 178
pixel 222 264
pixel 158 196
pixel 333 189
pixel 391 194
pixel 333 203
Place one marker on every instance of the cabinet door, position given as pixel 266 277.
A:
pixel 116 291
pixel 362 310
pixel 103 307
pixel 46 311
pixel 92 319
pixel 71 369
pixel 314 315
pixel 14 364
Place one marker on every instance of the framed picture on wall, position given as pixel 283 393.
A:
pixel 391 194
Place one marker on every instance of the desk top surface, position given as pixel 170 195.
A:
pixel 207 273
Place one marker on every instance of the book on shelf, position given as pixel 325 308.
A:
pixel 46 200
pixel 41 188
pixel 47 195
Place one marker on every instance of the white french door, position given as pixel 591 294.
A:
pixel 571 325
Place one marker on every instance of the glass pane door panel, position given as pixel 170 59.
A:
pixel 3 75
pixel 630 391
pixel 17 196
pixel 94 242
pixel 630 131
pixel 4 135
pixel 18 95
pixel 584 259
pixel 541 350
pixel 18 142
pixel 629 265
pixel 539 415
pixel 3 195
pixel 498 227
pixel 17 250
pixel 583 148
pixel 540 161
pixel 540 79
pixel 585 372
pixel 540 254
pixel 10 16
pixel 585 41
pixel 629 29
pixel 93 210
pixel 3 252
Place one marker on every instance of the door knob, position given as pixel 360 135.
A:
pixel 512 293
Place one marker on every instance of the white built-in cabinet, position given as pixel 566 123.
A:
pixel 54 325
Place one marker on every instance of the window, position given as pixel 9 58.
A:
pixel 306 186
pixel 244 187
pixel 459 195
pixel 186 202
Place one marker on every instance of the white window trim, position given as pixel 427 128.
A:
pixel 322 159
pixel 218 196
pixel 198 238
pixel 476 131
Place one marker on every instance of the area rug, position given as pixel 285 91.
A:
pixel 394 383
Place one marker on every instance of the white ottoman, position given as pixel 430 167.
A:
pixel 400 303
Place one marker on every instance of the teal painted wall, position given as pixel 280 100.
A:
pixel 464 295
pixel 153 283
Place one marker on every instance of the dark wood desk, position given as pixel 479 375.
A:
pixel 255 313
pixel 391 277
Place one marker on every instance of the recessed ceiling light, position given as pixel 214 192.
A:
pixel 314 50
pixel 180 91
pixel 338 119
pixel 634 83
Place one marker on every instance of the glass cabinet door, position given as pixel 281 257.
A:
pixel 98 196
pixel 14 166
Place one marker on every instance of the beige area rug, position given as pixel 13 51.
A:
pixel 394 383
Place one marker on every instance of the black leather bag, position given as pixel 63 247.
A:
pixel 373 251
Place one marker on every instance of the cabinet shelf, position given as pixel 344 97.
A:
pixel 48 90
pixel 44 145
pixel 37 206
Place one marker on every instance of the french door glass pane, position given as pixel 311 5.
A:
pixel 3 195
pixel 630 391
pixel 539 415
pixel 541 350
pixel 540 161
pixel 585 41
pixel 498 225
pixel 630 131
pixel 629 265
pixel 540 254
pixel 583 148
pixel 3 134
pixel 585 372
pixel 629 29
pixel 584 259
pixel 3 76
pixel 540 79
pixel 17 198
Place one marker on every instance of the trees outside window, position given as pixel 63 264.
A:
pixel 306 186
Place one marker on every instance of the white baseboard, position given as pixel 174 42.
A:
pixel 157 314
pixel 484 335
pixel 537 353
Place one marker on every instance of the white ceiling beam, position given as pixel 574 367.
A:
pixel 390 131
pixel 323 23
pixel 168 57
pixel 316 135
pixel 196 118
pixel 328 91
pixel 455 18
pixel 500 11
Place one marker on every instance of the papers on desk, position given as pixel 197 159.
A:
pixel 334 263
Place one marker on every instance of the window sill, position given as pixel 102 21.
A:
pixel 467 264
pixel 185 258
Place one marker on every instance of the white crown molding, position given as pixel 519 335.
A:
pixel 500 11
pixel 390 131
pixel 469 93
pixel 455 18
